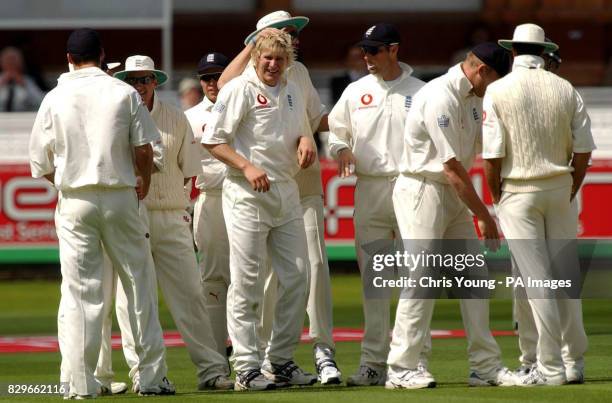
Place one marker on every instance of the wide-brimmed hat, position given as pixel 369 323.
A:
pixel 529 34
pixel 278 19
pixel 141 63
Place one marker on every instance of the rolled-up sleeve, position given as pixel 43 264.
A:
pixel 229 110
pixel 493 136
pixel 440 120
pixel 581 128
pixel 42 143
pixel 340 126
pixel 142 128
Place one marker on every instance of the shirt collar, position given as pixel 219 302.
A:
pixel 528 62
pixel 459 81
pixel 206 104
pixel 406 71
pixel 251 75
pixel 84 72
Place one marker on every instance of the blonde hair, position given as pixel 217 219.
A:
pixel 275 40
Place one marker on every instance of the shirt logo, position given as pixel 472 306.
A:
pixel 261 99
pixel 443 121
pixel 219 107
pixel 408 102
pixel 475 114
pixel 203 127
pixel 290 101
pixel 484 115
pixel 366 99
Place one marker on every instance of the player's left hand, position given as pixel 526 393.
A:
pixel 306 151
pixel 488 229
pixel 140 188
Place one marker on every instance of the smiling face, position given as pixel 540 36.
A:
pixel 145 87
pixel 270 66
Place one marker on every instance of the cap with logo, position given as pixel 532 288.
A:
pixel 212 62
pixel 493 56
pixel 84 42
pixel 380 34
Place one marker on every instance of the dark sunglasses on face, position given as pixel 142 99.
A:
pixel 372 50
pixel 139 80
pixel 209 77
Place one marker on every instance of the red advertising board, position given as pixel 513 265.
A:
pixel 27 206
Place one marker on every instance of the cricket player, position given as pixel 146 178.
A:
pixel 209 232
pixel 364 127
pixel 431 200
pixel 80 121
pixel 168 225
pixel 259 126
pixel 537 144
pixel 319 307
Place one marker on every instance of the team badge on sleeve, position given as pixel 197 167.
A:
pixel 443 121
pixel 219 107
pixel 408 102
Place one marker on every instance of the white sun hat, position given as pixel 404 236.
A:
pixel 141 63
pixel 529 34
pixel 278 19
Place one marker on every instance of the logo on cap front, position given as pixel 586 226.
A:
pixel 366 99
pixel 370 30
pixel 210 58
pixel 261 99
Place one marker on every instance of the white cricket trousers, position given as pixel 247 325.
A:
pixel 179 279
pixel 546 215
pixel 87 219
pixel 261 225
pixel 210 236
pixel 319 306
pixel 431 210
pixel 374 220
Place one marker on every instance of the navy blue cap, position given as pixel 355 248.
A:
pixel 493 56
pixel 84 42
pixel 380 34
pixel 212 61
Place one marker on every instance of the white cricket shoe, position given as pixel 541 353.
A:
pixel 115 388
pixel 501 377
pixel 287 374
pixel 220 382
pixel 327 369
pixel 367 376
pixel 252 380
pixel 164 388
pixel 411 379
pixel 525 369
pixel 574 375
pixel 536 378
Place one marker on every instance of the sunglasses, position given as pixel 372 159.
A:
pixel 210 77
pixel 374 50
pixel 140 80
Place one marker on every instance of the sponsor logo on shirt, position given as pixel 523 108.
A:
pixel 408 102
pixel 475 114
pixel 203 127
pixel 484 115
pixel 366 99
pixel 443 121
pixel 261 99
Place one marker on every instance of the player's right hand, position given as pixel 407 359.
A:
pixel 346 163
pixel 257 178
pixel 488 229
pixel 140 188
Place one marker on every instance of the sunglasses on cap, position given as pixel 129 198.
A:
pixel 210 77
pixel 140 80
pixel 374 50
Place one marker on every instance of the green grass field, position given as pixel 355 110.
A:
pixel 28 308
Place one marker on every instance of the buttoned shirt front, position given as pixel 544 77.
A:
pixel 369 119
pixel 444 123
pixel 86 129
pixel 260 126
pixel 213 170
